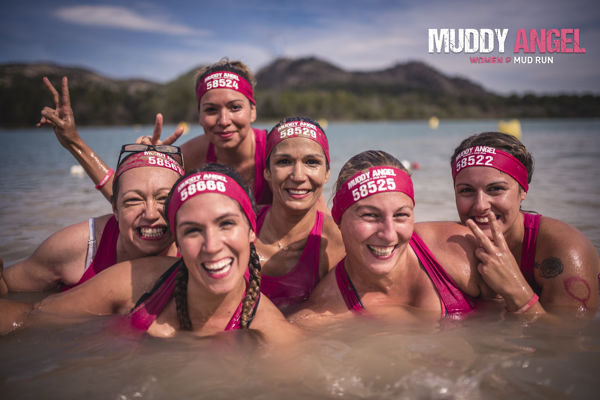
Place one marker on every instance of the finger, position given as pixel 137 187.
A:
pixel 157 129
pixel 497 235
pixel 174 136
pixel 53 91
pixel 483 240
pixel 66 98
pixel 50 115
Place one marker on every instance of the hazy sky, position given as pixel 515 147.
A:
pixel 160 40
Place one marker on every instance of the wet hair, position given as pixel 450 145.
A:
pixel 292 119
pixel 181 279
pixel 224 64
pixel 365 160
pixel 502 141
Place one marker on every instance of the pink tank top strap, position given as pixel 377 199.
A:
pixel 260 218
pixel 527 265
pixel 106 255
pixel 347 290
pixel 262 191
pixel 236 318
pixel 453 300
pixel 211 157
pixel 151 304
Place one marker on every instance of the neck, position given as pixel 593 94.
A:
pixel 243 152
pixel 290 226
pixel 203 306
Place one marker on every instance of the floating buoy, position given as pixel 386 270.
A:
pixel 434 122
pixel 323 122
pixel 77 170
pixel 185 126
pixel 411 166
pixel 512 127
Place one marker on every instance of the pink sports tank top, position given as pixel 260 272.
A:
pixel 106 255
pixel 296 286
pixel 452 299
pixel 151 304
pixel 527 264
pixel 262 191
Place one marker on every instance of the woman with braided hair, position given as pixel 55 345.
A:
pixel 205 290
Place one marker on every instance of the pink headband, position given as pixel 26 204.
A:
pixel 149 159
pixel 301 129
pixel 209 182
pixel 485 156
pixel 373 181
pixel 224 80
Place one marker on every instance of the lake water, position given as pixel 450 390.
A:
pixel 481 358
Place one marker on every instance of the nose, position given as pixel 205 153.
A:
pixel 224 118
pixel 387 230
pixel 298 171
pixel 481 202
pixel 151 210
pixel 212 242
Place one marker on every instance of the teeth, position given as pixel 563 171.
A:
pixel 217 265
pixel 481 220
pixel 382 251
pixel 152 232
pixel 298 191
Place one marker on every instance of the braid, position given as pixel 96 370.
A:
pixel 254 288
pixel 181 281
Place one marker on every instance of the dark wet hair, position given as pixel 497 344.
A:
pixel 292 119
pixel 253 288
pixel 502 141
pixel 365 160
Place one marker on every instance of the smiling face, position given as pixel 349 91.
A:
pixel 214 243
pixel 139 209
pixel 479 189
pixel 297 172
pixel 376 229
pixel 226 115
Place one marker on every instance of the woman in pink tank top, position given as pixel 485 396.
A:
pixel 557 265
pixel 226 111
pixel 298 243
pixel 392 266
pixel 204 291
pixel 137 228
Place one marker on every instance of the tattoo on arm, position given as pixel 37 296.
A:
pixel 578 289
pixel 551 267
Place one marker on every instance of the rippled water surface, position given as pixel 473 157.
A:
pixel 480 358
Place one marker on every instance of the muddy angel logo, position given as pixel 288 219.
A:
pixel 487 46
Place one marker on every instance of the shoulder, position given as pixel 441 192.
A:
pixel 272 324
pixel 324 300
pixel 557 239
pixel 194 151
pixel 332 245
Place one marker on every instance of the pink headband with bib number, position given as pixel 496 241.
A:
pixel 225 80
pixel 149 159
pixel 485 156
pixel 375 180
pixel 302 129
pixel 209 182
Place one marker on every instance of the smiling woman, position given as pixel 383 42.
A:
pixel 137 228
pixel 557 264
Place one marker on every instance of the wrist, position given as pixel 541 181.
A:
pixel 525 306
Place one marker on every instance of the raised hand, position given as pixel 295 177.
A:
pixel 498 266
pixel 61 118
pixel 155 138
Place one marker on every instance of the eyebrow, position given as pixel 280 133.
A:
pixel 218 219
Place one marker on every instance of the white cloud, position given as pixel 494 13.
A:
pixel 123 18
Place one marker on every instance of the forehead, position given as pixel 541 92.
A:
pixel 144 177
pixel 206 207
pixel 385 201
pixel 221 96
pixel 297 145
pixel 480 175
